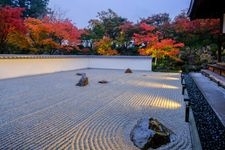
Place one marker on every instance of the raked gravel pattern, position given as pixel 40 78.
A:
pixel 50 112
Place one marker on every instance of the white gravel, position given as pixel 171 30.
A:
pixel 50 112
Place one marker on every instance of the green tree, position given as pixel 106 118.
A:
pixel 108 25
pixel 33 8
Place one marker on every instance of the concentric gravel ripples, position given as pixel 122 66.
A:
pixel 50 112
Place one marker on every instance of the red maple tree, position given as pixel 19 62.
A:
pixel 10 21
pixel 53 34
pixel 150 44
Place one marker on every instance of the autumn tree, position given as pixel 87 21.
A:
pixel 124 40
pixel 197 32
pixel 162 23
pixel 104 47
pixel 10 23
pixel 146 37
pixel 162 49
pixel 51 35
pixel 200 38
pixel 150 44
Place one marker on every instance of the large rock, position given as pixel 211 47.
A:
pixel 150 133
pixel 83 81
pixel 161 136
pixel 128 70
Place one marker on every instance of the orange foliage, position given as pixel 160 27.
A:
pixel 64 30
pixel 165 47
pixel 104 47
pixel 53 33
pixel 155 47
pixel 18 39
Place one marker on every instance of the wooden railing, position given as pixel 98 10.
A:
pixel 217 68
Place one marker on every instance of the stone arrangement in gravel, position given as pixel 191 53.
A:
pixel 48 112
pixel 150 133
pixel 161 136
pixel 211 130
pixel 128 70
pixel 83 81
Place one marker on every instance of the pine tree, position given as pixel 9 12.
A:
pixel 33 8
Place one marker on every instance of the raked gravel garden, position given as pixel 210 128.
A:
pixel 50 112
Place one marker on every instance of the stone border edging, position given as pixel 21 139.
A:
pixel 195 140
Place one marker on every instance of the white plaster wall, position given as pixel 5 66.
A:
pixel 11 68
pixel 121 63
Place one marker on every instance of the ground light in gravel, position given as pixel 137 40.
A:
pixel 49 112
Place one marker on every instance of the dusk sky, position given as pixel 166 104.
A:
pixel 81 11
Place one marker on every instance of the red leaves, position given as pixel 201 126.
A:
pixel 147 27
pixel 183 24
pixel 10 21
pixel 53 33
pixel 146 35
pixel 167 44
pixel 155 47
pixel 65 30
pixel 47 33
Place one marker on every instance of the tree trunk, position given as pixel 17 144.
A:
pixel 155 61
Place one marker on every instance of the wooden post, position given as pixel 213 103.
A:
pixel 220 40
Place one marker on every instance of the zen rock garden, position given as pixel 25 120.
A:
pixel 99 116
pixel 84 79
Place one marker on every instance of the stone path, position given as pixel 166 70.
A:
pixel 50 112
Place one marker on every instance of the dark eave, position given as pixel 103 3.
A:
pixel 203 9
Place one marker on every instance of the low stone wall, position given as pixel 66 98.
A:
pixel 12 66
